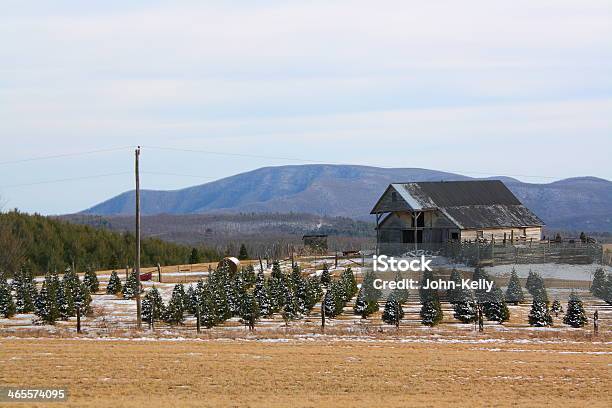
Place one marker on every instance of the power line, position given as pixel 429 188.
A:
pixel 255 156
pixel 62 155
pixel 66 179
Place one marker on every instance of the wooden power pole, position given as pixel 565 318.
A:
pixel 137 171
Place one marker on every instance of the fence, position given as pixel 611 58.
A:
pixel 479 253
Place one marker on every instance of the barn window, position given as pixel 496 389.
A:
pixel 393 196
pixel 479 234
pixel 454 235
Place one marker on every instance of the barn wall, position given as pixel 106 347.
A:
pixel 498 233
pixel 386 203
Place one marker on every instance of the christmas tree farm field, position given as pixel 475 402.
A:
pixel 323 371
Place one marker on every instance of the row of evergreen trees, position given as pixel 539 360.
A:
pixel 244 294
pixel 58 298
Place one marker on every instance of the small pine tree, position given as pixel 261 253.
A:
pixel 372 294
pixel 82 300
pixel 290 308
pixel 91 280
pixel 175 312
pixel 453 294
pixel 393 312
pixel 431 312
pixel 261 295
pixel 7 305
pixel 46 308
pixel 325 275
pixel 556 307
pixel 361 305
pixel 276 292
pixel 65 307
pixel 208 316
pixel 514 292
pixel 313 293
pixel 249 310
pixel 130 289
pixel 25 292
pixel 243 253
pixel 598 286
pixel 539 316
pixel 427 294
pixel 608 291
pixel 465 311
pixel 194 257
pixel 349 284
pixel 152 306
pixel 114 286
pixel 330 303
pixel 575 315
pixel 277 273
pixel 495 308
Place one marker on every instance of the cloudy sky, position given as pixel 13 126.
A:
pixel 486 87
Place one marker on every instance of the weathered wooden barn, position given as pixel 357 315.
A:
pixel 437 212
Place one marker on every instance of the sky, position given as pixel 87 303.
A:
pixel 482 88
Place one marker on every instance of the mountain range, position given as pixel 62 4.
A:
pixel 581 203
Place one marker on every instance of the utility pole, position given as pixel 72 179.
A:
pixel 137 173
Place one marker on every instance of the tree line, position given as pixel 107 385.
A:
pixel 41 244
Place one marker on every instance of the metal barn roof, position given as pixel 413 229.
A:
pixel 468 204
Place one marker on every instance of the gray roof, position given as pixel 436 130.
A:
pixel 468 204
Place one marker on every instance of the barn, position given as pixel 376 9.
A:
pixel 409 214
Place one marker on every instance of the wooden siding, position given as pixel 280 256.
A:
pixel 528 233
pixel 386 203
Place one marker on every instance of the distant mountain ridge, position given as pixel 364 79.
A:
pixel 582 203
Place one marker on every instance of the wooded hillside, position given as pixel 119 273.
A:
pixel 41 243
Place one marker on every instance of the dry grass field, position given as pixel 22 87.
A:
pixel 374 373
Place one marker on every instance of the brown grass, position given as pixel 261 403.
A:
pixel 311 374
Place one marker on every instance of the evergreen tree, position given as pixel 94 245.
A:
pixel 91 280
pixel 208 316
pixel 393 312
pixel 276 292
pixel 534 282
pixel 349 284
pixel 495 308
pixel 46 308
pixel 290 307
pixel 427 294
pixel 361 305
pixel 25 292
pixel 130 289
pixel 313 293
pixel 598 286
pixel 7 305
pixel 249 310
pixel 575 315
pixel 514 292
pixel 539 315
pixel 453 295
pixel 82 300
pixel 400 294
pixel 325 275
pixel 65 307
pixel 276 271
pixel 465 310
pixel 192 300
pixel 372 294
pixel 243 254
pixel 261 295
pixel 114 286
pixel 248 275
pixel 194 257
pixel 175 312
pixel 556 307
pixel 431 312
pixel 608 292
pixel 332 302
pixel 153 306
pixel 222 311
